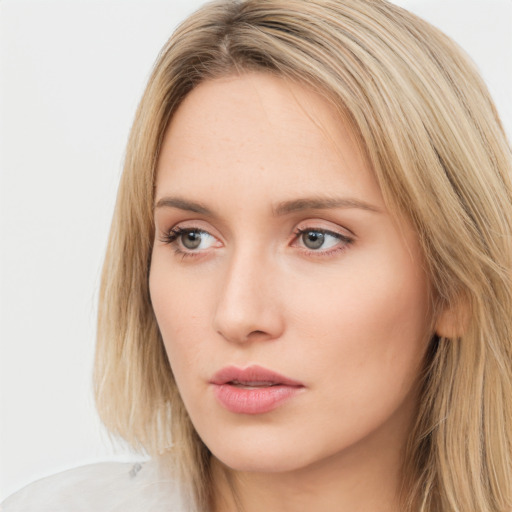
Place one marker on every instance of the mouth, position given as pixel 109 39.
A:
pixel 252 385
pixel 253 390
pixel 253 376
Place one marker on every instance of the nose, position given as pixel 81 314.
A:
pixel 248 308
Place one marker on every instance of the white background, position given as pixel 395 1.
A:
pixel 71 74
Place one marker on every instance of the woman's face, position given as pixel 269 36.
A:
pixel 293 308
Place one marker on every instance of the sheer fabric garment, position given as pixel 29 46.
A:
pixel 104 487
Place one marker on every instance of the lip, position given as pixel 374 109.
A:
pixel 253 390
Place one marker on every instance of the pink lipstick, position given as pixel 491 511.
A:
pixel 252 390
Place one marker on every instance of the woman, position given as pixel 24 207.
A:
pixel 305 300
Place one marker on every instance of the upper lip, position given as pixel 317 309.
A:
pixel 253 374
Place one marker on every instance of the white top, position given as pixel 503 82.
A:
pixel 104 487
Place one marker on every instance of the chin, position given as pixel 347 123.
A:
pixel 265 454
pixel 260 462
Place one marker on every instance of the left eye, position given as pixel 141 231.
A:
pixel 315 239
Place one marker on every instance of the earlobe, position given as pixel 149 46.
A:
pixel 452 321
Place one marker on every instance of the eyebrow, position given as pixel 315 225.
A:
pixel 322 203
pixel 280 209
pixel 183 204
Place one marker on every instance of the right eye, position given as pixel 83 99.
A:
pixel 189 239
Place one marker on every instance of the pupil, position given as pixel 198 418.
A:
pixel 313 239
pixel 191 239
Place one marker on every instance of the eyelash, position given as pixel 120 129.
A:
pixel 172 236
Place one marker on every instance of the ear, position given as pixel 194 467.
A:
pixel 453 321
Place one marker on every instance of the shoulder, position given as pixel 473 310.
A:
pixel 104 487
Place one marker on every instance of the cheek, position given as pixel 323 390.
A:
pixel 367 326
pixel 181 315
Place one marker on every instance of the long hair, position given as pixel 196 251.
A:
pixel 430 131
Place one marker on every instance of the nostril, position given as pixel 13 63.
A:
pixel 240 337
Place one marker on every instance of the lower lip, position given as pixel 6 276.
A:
pixel 255 400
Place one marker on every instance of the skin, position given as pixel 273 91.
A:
pixel 349 320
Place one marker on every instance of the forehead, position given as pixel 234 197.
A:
pixel 258 129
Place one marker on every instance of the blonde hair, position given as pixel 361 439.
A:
pixel 434 140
